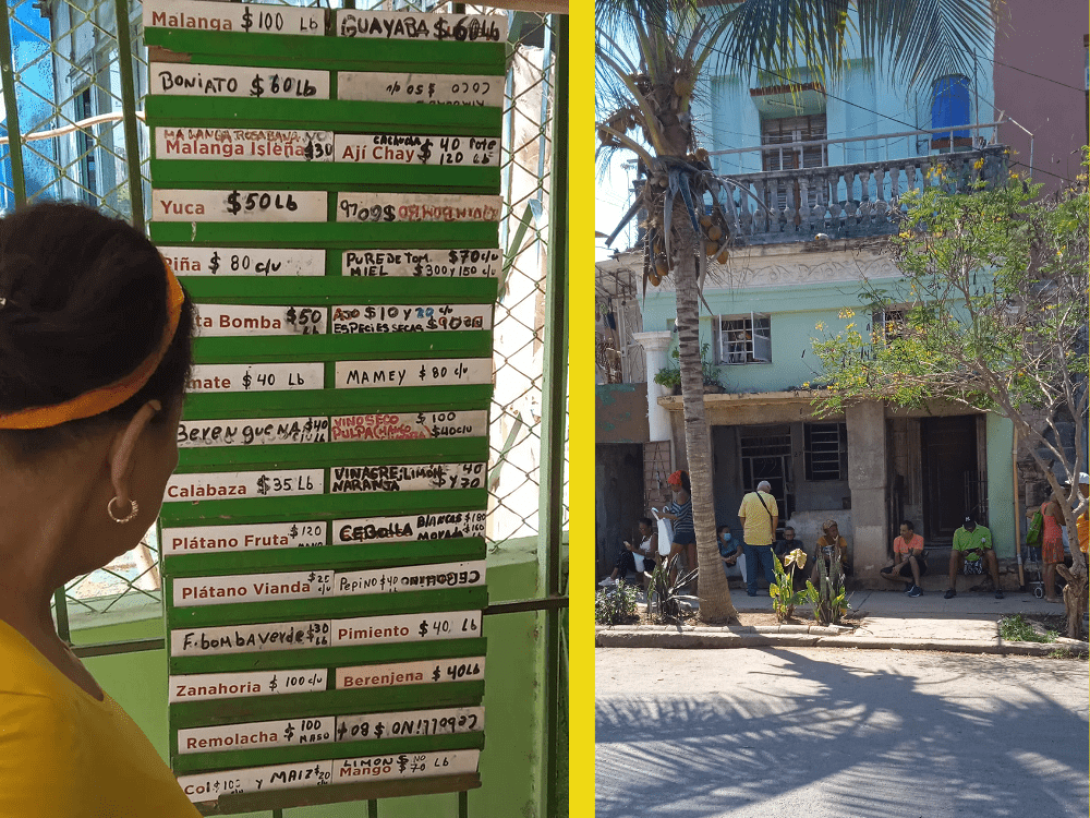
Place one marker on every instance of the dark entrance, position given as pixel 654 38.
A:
pixel 619 500
pixel 951 479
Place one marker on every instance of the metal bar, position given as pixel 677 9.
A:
pixel 550 603
pixel 114 648
pixel 965 127
pixel 554 402
pixel 60 604
pixel 11 104
pixel 128 108
pixel 372 808
pixel 463 804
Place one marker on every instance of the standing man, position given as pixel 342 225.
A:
pixel 759 515
pixel 972 548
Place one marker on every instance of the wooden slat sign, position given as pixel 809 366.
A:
pixel 238 261
pixel 223 485
pixel 380 208
pixel 194 434
pixel 430 89
pixel 356 479
pixel 184 79
pixel 433 671
pixel 422 263
pixel 399 25
pixel 196 591
pixel 410 527
pixel 208 686
pixel 238 205
pixel 440 372
pixel 410 426
pixel 239 319
pixel 255 377
pixel 356 632
pixel 240 144
pixel 240 538
pixel 441 151
pixel 195 15
pixel 353 320
pixel 329 729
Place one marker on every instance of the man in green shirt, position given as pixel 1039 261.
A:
pixel 972 545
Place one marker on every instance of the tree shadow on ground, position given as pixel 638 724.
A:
pixel 818 734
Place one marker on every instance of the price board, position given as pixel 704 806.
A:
pixel 323 538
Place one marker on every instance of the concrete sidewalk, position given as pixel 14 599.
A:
pixel 968 623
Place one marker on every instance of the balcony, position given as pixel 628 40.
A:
pixel 848 200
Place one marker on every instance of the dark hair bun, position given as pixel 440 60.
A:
pixel 85 304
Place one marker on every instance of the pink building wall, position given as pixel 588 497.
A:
pixel 1047 39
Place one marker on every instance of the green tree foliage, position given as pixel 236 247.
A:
pixel 991 314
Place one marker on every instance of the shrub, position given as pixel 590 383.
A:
pixel 614 606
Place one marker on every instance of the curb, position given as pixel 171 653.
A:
pixel 802 636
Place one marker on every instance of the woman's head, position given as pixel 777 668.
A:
pixel 679 481
pixel 84 305
pixel 646 526
pixel 830 528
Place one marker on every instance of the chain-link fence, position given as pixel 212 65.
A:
pixel 73 107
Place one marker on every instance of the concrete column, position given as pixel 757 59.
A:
pixel 654 346
pixel 867 469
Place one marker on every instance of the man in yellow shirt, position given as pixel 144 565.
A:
pixel 759 515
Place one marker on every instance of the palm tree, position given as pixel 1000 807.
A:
pixel 649 58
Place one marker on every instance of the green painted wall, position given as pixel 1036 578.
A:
pixel 137 681
pixel 1000 444
pixel 793 329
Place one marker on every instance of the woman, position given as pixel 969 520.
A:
pixel 1052 545
pixel 681 512
pixel 828 545
pixel 94 356
pixel 626 558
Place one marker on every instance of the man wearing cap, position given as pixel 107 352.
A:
pixel 972 545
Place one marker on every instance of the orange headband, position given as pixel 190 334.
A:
pixel 112 395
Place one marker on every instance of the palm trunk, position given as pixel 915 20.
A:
pixel 715 602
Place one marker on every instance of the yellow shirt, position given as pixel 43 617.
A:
pixel 64 754
pixel 756 520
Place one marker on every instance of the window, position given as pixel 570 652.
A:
pixel 888 323
pixel 826 451
pixel 745 339
pixel 85 149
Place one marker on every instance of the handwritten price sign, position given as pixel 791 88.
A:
pixel 422 263
pixel 410 527
pixel 250 537
pixel 381 208
pixel 197 591
pixel 183 79
pixel 355 479
pixel 381 630
pixel 247 18
pixel 410 425
pixel 440 372
pixel 226 261
pixel 428 671
pixel 255 377
pixel 353 320
pixel 398 25
pixel 250 638
pixel 449 721
pixel 430 89
pixel 226 485
pixel 244 145
pixel 194 434
pixel 391 149
pixel 238 205
pixel 233 319
pixel 405 765
pixel 205 686
pixel 210 786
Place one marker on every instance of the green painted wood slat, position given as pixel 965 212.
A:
pixel 326 455
pixel 335 235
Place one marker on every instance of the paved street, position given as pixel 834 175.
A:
pixel 827 733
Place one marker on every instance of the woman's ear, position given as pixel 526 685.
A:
pixel 123 450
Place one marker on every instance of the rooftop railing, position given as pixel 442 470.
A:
pixel 850 200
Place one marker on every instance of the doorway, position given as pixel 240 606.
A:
pixel 951 476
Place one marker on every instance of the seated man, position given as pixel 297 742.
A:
pixel 909 563
pixel 786 544
pixel 729 551
pixel 830 543
pixel 972 549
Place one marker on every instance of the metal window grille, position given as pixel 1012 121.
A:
pixel 745 339
pixel 826 451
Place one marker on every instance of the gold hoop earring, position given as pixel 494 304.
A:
pixel 122 520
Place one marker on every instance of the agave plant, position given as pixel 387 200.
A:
pixel 664 597
pixel 829 598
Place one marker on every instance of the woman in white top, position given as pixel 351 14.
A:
pixel 626 559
